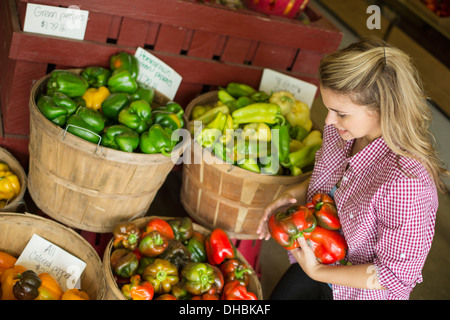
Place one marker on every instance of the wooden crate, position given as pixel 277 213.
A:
pixel 208 45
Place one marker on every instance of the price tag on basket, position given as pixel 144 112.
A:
pixel 155 73
pixel 43 256
pixel 275 81
pixel 68 22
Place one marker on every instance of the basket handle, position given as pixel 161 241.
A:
pixel 100 138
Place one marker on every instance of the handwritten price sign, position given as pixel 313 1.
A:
pixel 54 21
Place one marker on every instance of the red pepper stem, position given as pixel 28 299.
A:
pixel 240 273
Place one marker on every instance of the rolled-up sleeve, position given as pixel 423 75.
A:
pixel 404 235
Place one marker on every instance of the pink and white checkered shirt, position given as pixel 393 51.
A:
pixel 387 216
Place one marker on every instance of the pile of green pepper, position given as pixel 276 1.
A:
pixel 110 107
pixel 168 259
pixel 263 133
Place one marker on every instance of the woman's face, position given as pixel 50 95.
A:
pixel 352 121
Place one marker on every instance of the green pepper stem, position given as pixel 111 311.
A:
pixel 132 239
pixel 283 120
pixel 161 276
pixel 240 273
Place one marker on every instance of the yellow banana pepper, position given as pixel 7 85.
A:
pixel 9 185
pixel 94 97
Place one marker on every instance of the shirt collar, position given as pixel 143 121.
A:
pixel 368 156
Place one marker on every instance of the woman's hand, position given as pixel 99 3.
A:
pixel 306 258
pixel 284 200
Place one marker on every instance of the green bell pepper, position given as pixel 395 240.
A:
pixel 124 263
pixel 69 83
pixel 122 81
pixel 182 228
pixel 120 137
pixel 87 124
pixel 166 119
pixel 137 116
pixel 157 140
pixel 200 278
pixel 96 76
pixel 57 108
pixel 80 101
pixel 196 246
pixel 125 60
pixel 175 108
pixel 269 113
pixel 143 92
pixel 112 105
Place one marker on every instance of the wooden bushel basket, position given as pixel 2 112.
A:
pixel 221 195
pixel 16 168
pixel 85 185
pixel 16 230
pixel 113 291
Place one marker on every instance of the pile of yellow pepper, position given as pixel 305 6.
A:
pixel 18 283
pixel 9 185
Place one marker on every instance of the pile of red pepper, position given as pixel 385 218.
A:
pixel 169 260
pixel 318 222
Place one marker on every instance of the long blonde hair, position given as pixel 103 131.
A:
pixel 383 78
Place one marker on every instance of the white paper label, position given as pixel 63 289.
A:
pixel 275 81
pixel 42 256
pixel 68 22
pixel 156 74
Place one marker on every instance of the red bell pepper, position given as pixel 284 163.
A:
pixel 159 225
pixel 329 246
pixel 286 227
pixel 322 198
pixel 235 291
pixel 137 289
pixel 234 269
pixel 326 215
pixel 153 244
pixel 325 211
pixel 219 247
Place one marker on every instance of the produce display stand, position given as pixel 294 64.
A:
pixel 208 45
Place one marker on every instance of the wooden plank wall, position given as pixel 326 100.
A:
pixel 208 45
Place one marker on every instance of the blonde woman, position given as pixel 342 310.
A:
pixel 378 162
